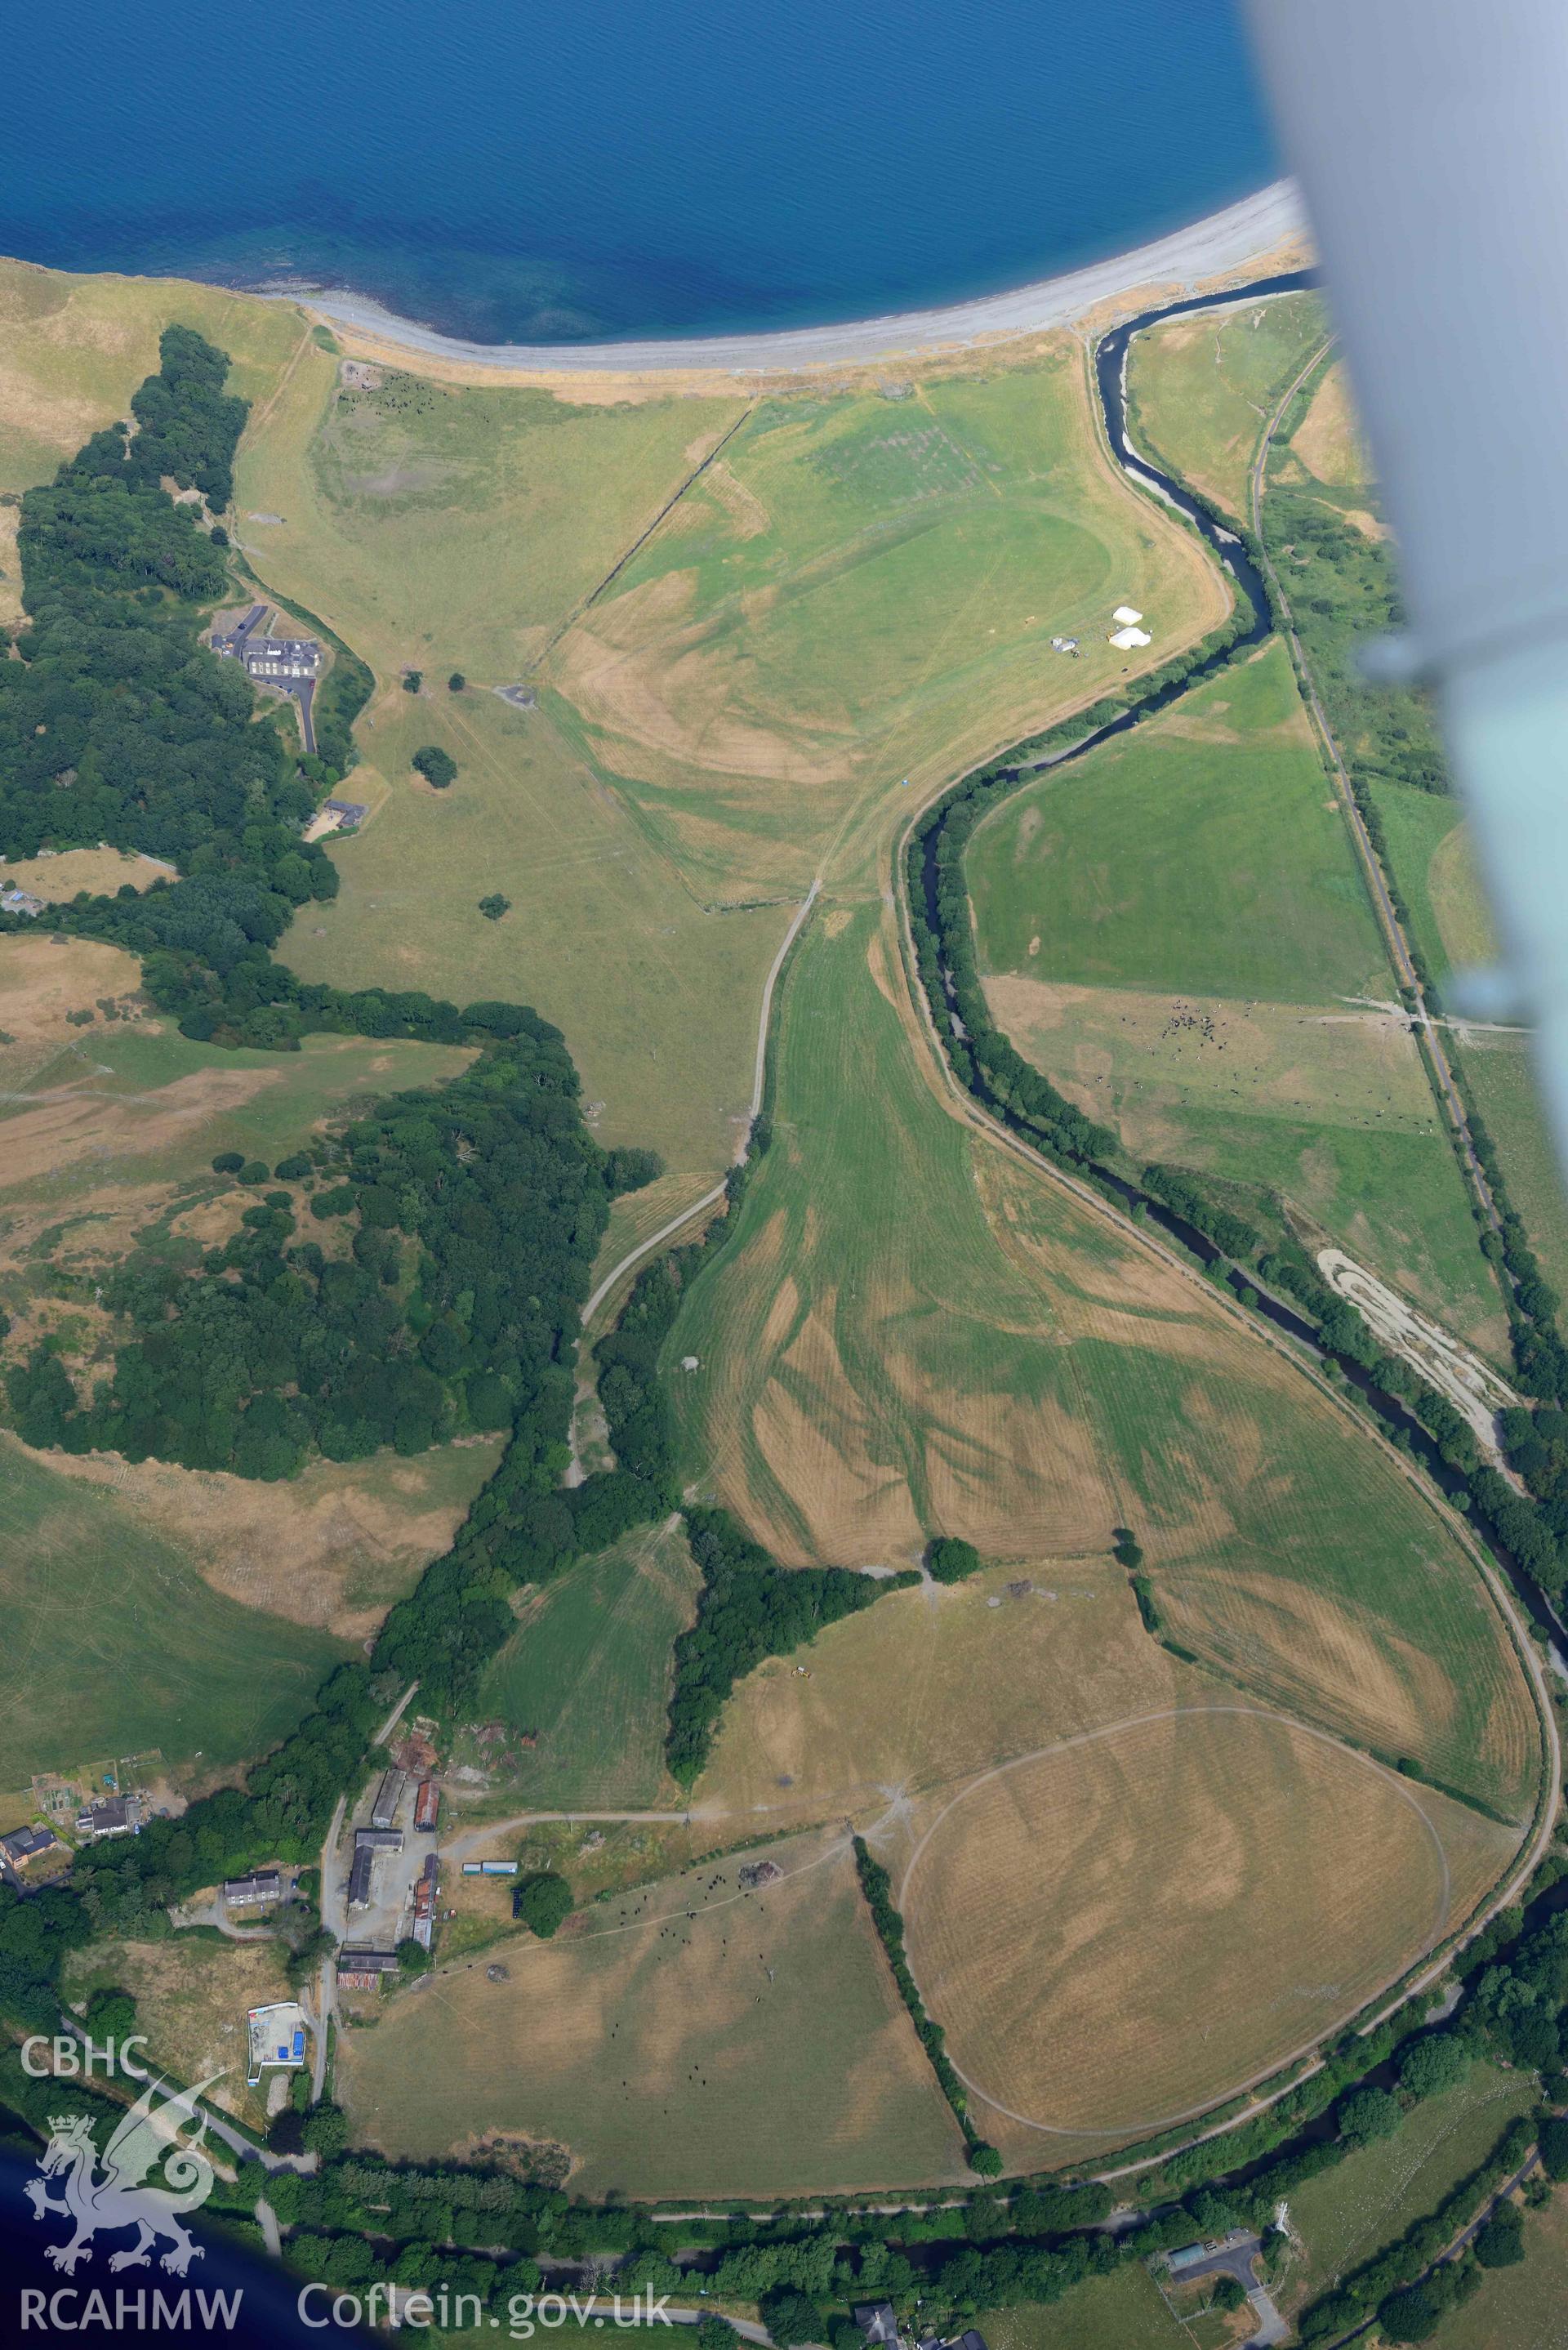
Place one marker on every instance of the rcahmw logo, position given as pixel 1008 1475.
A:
pixel 118 2192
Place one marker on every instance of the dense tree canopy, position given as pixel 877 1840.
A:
pixel 543 1901
pixel 475 1210
pixel 750 1608
pixel 438 767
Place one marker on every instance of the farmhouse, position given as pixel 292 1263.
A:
pixel 25 1844
pixel 111 1815
pixel 281 657
pixel 20 902
pixel 277 2037
pixel 350 813
pixel 252 1892
pixel 389 1796
pixel 363 1969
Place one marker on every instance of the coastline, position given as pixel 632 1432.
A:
pixel 1205 249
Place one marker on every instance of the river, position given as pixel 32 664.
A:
pixel 1110 376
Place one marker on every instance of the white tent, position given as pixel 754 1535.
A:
pixel 1126 617
pixel 1126 640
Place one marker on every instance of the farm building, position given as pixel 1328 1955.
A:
pixel 363 1969
pixel 20 902
pixel 111 1815
pixel 389 1796
pixel 427 1805
pixel 359 1879
pixel 378 1839
pixel 254 1891
pixel 424 1903
pixel 1185 2256
pixel 276 2038
pixel 25 1844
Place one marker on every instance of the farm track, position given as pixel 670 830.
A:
pixel 1402 1787
pixel 1450 1102
pixel 710 1198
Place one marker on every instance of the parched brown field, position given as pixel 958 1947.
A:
pixel 74 348
pixel 911 1332
pixel 333 1547
pixel 703 2041
pixel 1127 1055
pixel 108 1129
pixel 1328 439
pixel 192 1996
pixel 100 871
pixel 1118 1932
pixel 965 1676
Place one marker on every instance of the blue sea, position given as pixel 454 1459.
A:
pixel 560 169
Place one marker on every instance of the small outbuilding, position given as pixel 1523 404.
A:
pixel 276 2039
pixel 389 1796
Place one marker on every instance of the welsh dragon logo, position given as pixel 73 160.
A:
pixel 116 2194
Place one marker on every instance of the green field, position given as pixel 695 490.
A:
pixel 909 1334
pixel 1523 2308
pixel 1200 390
pixel 73 349
pixel 1374 2195
pixel 699 2041
pixel 588 1673
pixel 1430 855
pixel 444 526
pixel 1201 853
pixel 1175 930
pixel 860 589
pixel 658 993
pixel 1123 2311
pixel 118 1646
pixel 1506 1095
